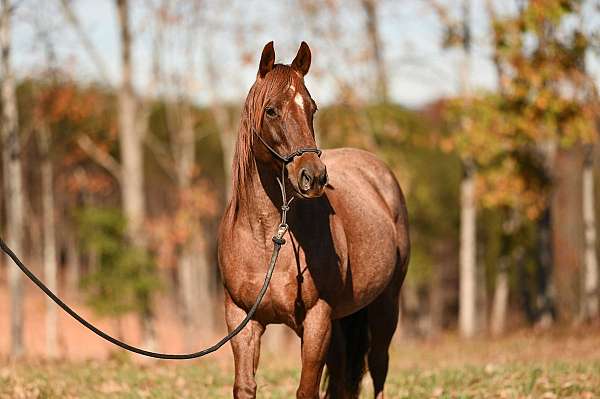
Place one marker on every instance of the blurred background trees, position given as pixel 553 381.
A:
pixel 118 121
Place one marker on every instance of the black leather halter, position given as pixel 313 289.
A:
pixel 290 157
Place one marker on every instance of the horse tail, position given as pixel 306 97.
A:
pixel 346 360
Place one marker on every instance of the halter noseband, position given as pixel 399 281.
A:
pixel 290 157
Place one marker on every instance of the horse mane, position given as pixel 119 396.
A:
pixel 276 81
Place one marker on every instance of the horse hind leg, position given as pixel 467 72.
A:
pixel 336 363
pixel 346 363
pixel 383 319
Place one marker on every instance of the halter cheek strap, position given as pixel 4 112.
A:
pixel 290 157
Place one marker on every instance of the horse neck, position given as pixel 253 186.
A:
pixel 260 203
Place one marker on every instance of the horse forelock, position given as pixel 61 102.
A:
pixel 278 80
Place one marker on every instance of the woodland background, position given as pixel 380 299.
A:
pixel 119 118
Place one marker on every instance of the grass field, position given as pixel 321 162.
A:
pixel 525 365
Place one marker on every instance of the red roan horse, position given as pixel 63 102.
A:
pixel 337 282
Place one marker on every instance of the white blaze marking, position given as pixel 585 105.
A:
pixel 299 100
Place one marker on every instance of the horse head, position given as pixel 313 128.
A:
pixel 282 116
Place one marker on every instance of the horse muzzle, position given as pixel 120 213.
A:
pixel 312 180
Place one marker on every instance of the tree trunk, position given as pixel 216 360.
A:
pixel 186 280
pixel 589 304
pixel 500 301
pixel 370 7
pixel 442 285
pixel 195 275
pixel 11 155
pixel 436 290
pixel 49 251
pixel 468 270
pixel 73 264
pixel 130 140
pixel 192 268
pixel 195 284
pixel 501 289
pixel 544 310
pixel 510 254
pixel 227 128
pixel 468 232
pixel 227 139
pixel 567 232
pixel 481 302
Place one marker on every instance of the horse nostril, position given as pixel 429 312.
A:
pixel 305 180
pixel 323 179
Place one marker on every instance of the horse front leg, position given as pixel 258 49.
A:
pixel 246 350
pixel 316 336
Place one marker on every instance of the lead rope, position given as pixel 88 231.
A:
pixel 278 242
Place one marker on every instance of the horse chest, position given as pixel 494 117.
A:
pixel 301 277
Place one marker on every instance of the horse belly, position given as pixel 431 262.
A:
pixel 372 250
pixel 368 202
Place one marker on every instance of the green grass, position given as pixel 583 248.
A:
pixel 114 379
pixel 522 367
pixel 554 380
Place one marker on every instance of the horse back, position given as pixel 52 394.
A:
pixel 361 179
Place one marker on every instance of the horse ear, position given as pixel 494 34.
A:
pixel 302 61
pixel 267 60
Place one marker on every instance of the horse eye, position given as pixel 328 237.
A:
pixel 271 112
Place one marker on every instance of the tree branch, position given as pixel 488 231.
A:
pixel 442 13
pixel 102 158
pixel 85 40
pixel 161 155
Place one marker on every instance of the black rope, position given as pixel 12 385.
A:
pixel 276 247
pixel 278 242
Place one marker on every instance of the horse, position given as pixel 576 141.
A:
pixel 337 285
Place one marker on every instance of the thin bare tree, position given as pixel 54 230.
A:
pixel 468 259
pixel 590 305
pixel 501 287
pixel 507 257
pixel 49 246
pixel 467 312
pixel 193 267
pixel 225 123
pixel 13 179
pixel 181 20
pixel 371 8
pixel 458 33
pixel 85 40
pixel 129 136
pixel 131 154
pixel 44 139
